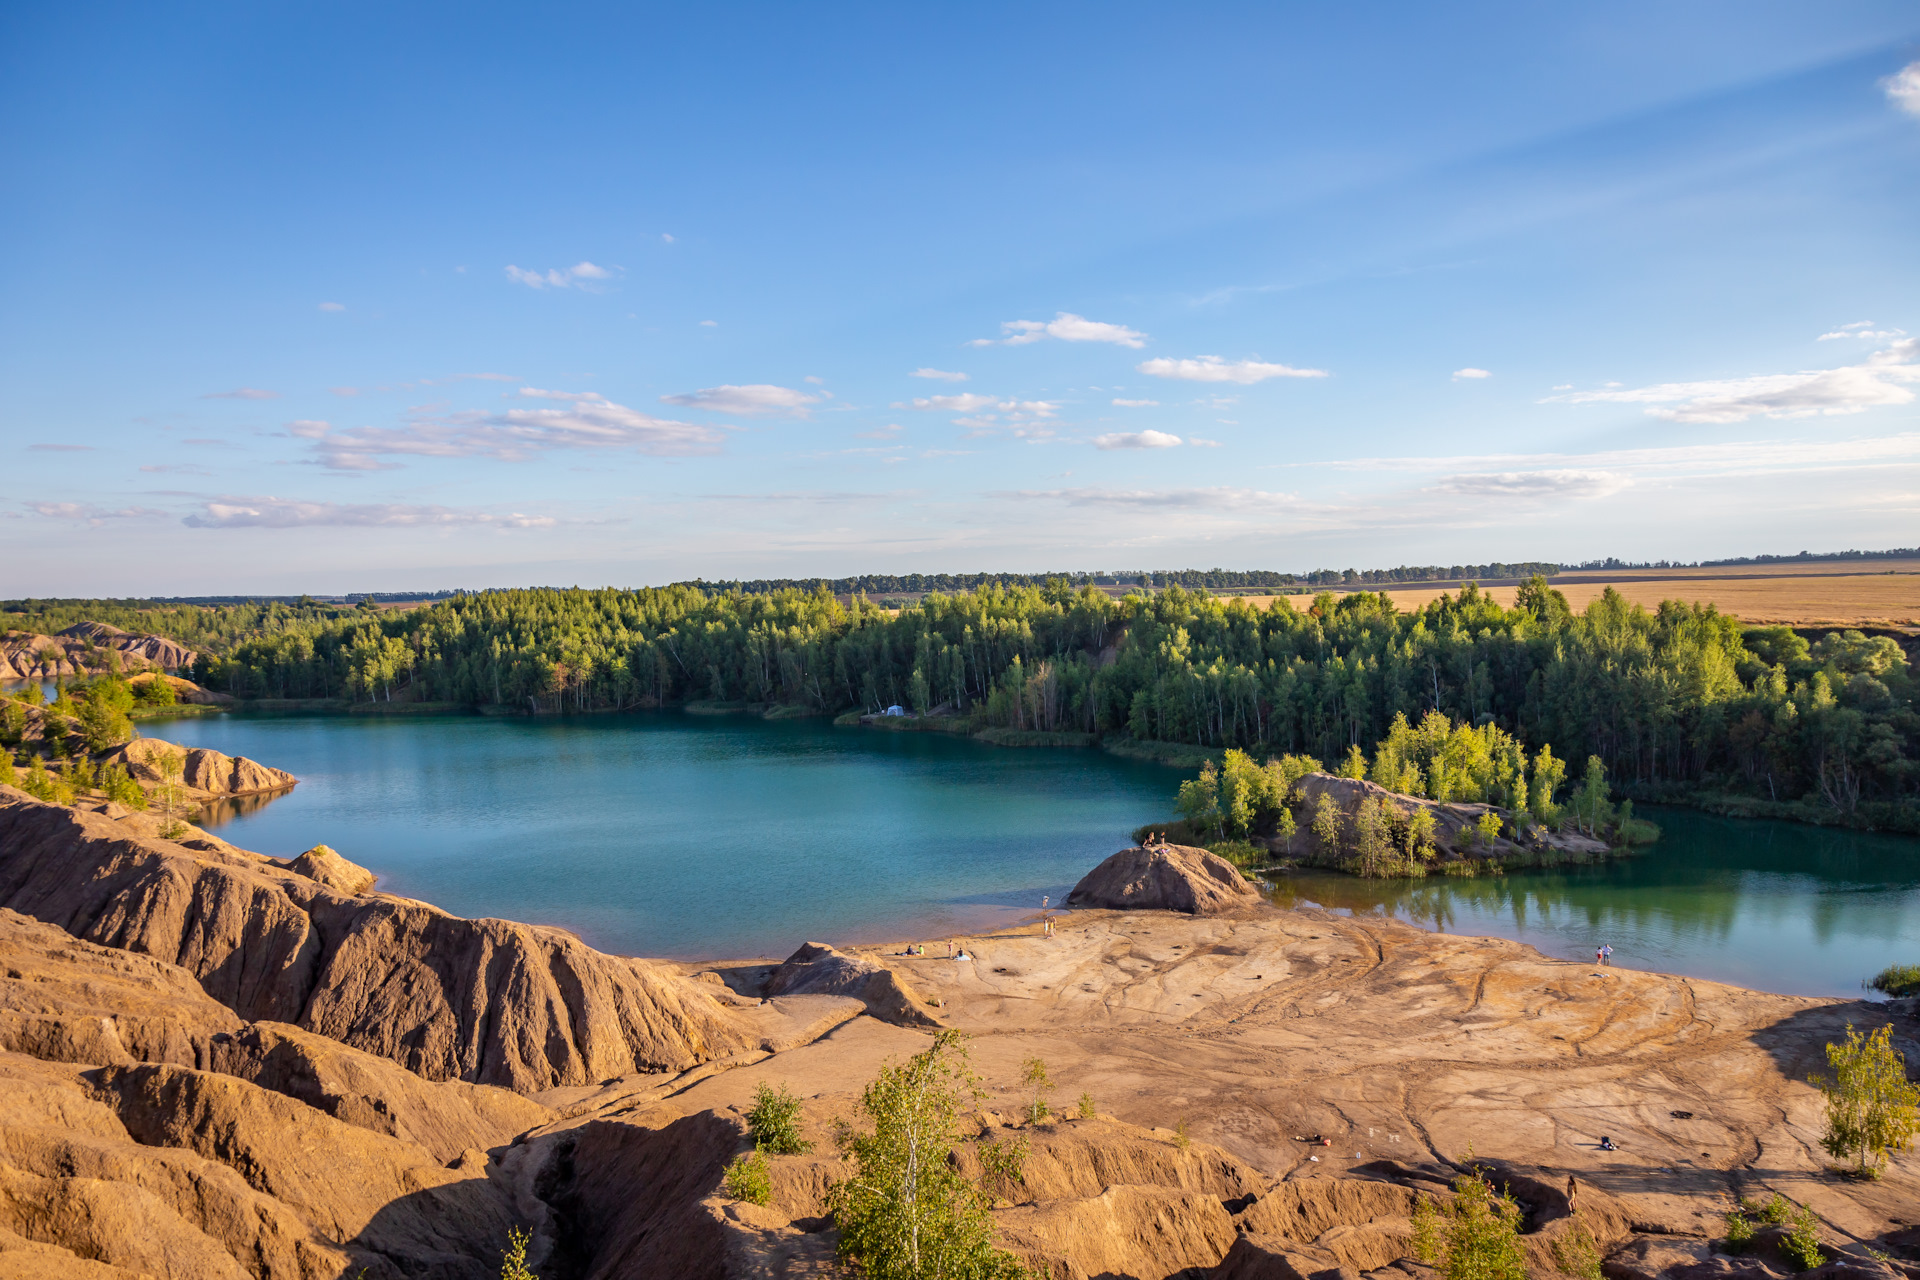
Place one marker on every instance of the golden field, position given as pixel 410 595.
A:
pixel 1797 595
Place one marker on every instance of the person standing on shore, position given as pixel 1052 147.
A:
pixel 1606 953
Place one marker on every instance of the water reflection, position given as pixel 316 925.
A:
pixel 1782 907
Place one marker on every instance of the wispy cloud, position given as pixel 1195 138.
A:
pixel 1874 383
pixel 1221 498
pixel 580 273
pixel 1862 329
pixel 91 514
pixel 333 306
pixel 753 400
pixel 584 420
pixel 965 402
pixel 244 393
pixel 975 407
pixel 1534 484
pixel 887 432
pixel 1065 326
pixel 1136 440
pixel 1470 373
pixel 1903 88
pixel 61 448
pixel 1215 369
pixel 938 375
pixel 1138 404
pixel 284 513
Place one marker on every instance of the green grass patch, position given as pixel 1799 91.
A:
pixel 1000 737
pixel 1898 980
pixel 1181 755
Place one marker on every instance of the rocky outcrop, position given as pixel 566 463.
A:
pixel 818 969
pixel 175 1141
pixel 323 865
pixel 82 649
pixel 484 1001
pixel 205 774
pixel 1167 877
pixel 1455 827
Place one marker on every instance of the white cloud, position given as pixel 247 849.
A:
pixel 282 513
pixel 665 238
pixel 588 421
pixel 559 277
pixel 1534 484
pixel 244 393
pixel 91 514
pixel 1222 498
pixel 332 306
pixel 1862 329
pixel 1903 88
pixel 1197 443
pixel 818 382
pixel 938 375
pixel 887 432
pixel 1136 440
pixel 1215 369
pixel 1874 383
pixel 709 324
pixel 1470 373
pixel 965 402
pixel 1065 326
pixel 1138 404
pixel 753 400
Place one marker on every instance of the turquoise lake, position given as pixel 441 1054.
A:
pixel 666 834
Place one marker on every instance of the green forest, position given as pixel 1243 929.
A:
pixel 1681 703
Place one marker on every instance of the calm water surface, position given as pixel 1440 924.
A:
pixel 668 834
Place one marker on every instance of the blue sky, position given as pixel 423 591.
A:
pixel 386 297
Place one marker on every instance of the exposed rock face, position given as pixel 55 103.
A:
pixel 485 1001
pixel 131 1152
pixel 321 863
pixel 204 774
pixel 1453 823
pixel 25 655
pixel 1166 877
pixel 818 969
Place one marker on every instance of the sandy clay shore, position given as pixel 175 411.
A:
pixel 220 1064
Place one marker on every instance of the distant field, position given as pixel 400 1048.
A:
pixel 1797 596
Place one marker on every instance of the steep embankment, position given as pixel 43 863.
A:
pixel 487 1001
pixel 83 648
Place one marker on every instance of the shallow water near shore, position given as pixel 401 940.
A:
pixel 667 834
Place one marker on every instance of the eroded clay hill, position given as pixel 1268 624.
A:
pixel 484 1001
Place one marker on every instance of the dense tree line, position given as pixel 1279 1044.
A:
pixel 1678 698
pixel 200 627
pixel 891 584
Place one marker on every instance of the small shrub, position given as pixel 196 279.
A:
pixel 1086 1106
pixel 1577 1253
pixel 1476 1238
pixel 1181 1138
pixel 1773 1212
pixel 1898 980
pixel 1241 853
pixel 121 788
pixel 1871 1109
pixel 774 1121
pixel 1802 1244
pixel 1739 1231
pixel 1004 1165
pixel 1033 1074
pixel 1489 828
pixel 513 1260
pixel 750 1178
